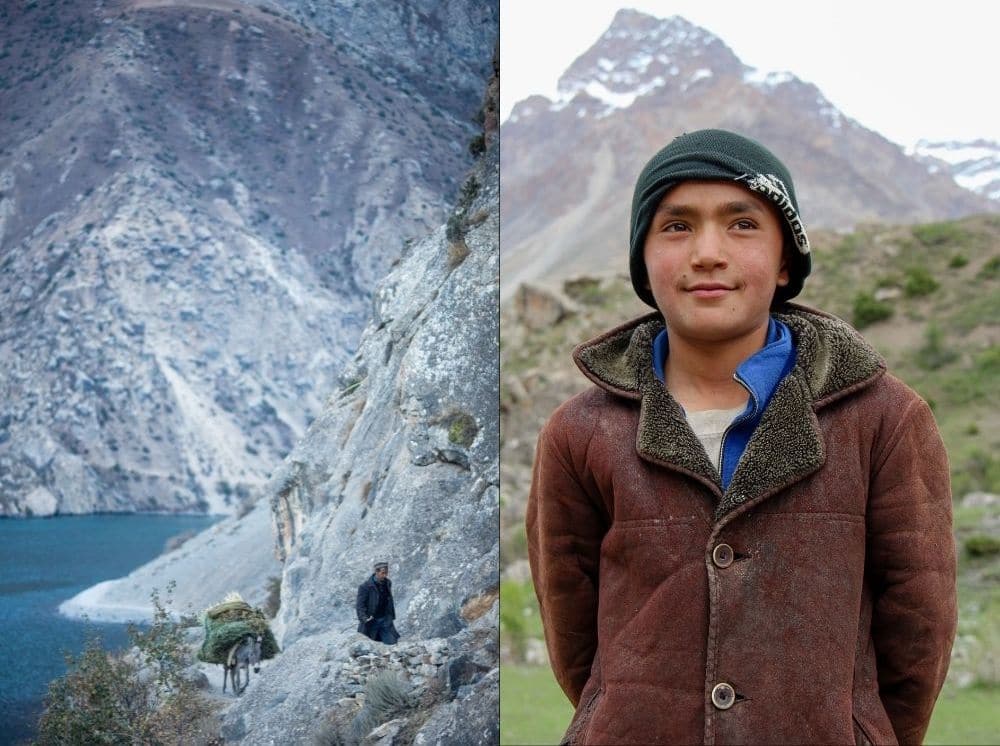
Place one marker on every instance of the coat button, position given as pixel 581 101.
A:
pixel 722 555
pixel 723 696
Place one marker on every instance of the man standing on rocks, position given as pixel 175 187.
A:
pixel 375 608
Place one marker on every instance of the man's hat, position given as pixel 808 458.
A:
pixel 724 156
pixel 381 565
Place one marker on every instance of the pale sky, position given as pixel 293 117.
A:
pixel 906 70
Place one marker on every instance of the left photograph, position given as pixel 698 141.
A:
pixel 249 383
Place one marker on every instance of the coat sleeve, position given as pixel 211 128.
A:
pixel 912 566
pixel 361 605
pixel 565 525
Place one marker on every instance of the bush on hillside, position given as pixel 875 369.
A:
pixel 940 234
pixel 867 310
pixel 982 545
pixel 140 696
pixel 934 354
pixel 919 282
pixel 585 290
pixel 991 269
pixel 387 696
pixel 977 471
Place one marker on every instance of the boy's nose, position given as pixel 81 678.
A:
pixel 707 250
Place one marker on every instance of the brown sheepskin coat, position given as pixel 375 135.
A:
pixel 828 616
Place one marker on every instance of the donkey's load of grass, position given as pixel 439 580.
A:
pixel 229 622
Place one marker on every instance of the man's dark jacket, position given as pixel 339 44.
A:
pixel 368 602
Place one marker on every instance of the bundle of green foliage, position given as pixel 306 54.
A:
pixel 229 622
pixel 140 696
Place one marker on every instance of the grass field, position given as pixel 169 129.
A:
pixel 535 712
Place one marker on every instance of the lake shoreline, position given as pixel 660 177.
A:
pixel 45 563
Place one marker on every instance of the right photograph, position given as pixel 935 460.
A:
pixel 749 376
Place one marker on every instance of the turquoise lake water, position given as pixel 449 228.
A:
pixel 43 562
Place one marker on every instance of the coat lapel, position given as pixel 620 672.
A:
pixel 665 437
pixel 787 446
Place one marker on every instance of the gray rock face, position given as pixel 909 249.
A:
pixel 401 465
pixel 433 45
pixel 196 202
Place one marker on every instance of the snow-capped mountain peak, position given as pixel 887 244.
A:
pixel 974 165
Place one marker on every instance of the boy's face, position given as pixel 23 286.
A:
pixel 713 255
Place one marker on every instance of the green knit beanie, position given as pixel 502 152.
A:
pixel 726 156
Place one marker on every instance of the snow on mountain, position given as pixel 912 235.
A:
pixel 974 165
pixel 648 79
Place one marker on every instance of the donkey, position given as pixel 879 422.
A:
pixel 242 655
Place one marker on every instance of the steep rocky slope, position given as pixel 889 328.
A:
pixel 196 201
pixel 403 465
pixel 645 80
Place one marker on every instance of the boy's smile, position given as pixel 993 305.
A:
pixel 713 256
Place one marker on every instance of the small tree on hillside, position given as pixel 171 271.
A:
pixel 139 696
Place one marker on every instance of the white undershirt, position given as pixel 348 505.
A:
pixel 710 425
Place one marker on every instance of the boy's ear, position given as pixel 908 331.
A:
pixel 783 273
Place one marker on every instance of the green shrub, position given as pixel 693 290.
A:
pixel 867 310
pixel 988 361
pixel 933 354
pixel 982 545
pixel 991 269
pixel 978 471
pixel 919 282
pixel 386 697
pixel 98 694
pixel 958 261
pixel 940 234
pixel 124 698
pixel 585 290
pixel 519 616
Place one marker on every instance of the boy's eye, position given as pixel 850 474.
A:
pixel 745 224
pixel 674 228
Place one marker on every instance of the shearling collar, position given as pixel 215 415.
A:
pixel 832 361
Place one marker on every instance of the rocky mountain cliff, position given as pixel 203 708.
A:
pixel 402 465
pixel 565 199
pixel 197 198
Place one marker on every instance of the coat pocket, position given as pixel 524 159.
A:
pixel 578 728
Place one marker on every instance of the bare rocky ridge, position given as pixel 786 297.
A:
pixel 196 201
pixel 565 203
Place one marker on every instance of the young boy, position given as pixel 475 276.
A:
pixel 742 532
